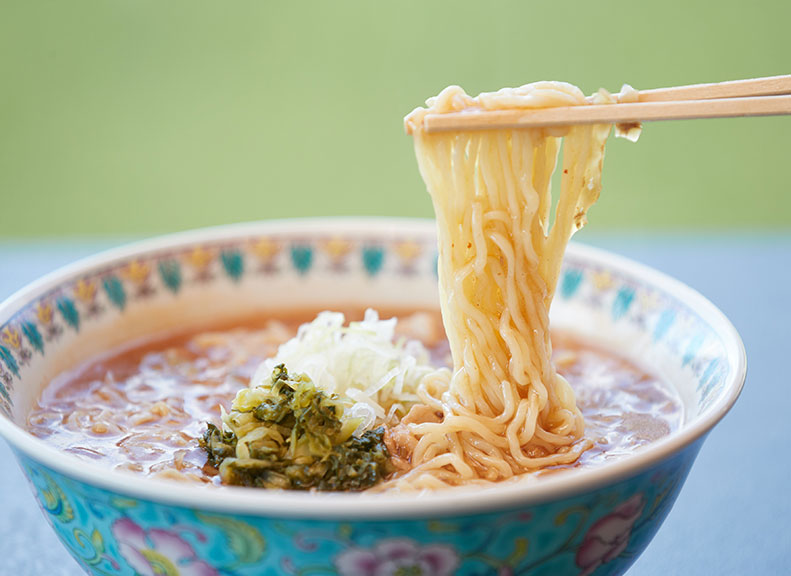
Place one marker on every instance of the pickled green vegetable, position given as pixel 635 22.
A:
pixel 288 434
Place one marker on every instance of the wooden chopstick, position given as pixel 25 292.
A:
pixel 757 97
pixel 770 86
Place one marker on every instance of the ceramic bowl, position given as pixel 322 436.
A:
pixel 586 521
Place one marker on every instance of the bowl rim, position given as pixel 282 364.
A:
pixel 376 506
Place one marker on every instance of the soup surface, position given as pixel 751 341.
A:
pixel 142 408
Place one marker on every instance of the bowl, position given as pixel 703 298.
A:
pixel 586 521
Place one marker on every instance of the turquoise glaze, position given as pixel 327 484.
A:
pixel 592 521
pixel 599 532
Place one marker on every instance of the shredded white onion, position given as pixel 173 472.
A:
pixel 362 361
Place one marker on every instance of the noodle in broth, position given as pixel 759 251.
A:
pixel 505 410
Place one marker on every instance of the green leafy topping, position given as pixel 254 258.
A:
pixel 218 444
pixel 288 434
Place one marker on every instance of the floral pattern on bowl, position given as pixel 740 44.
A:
pixel 599 532
pixel 588 522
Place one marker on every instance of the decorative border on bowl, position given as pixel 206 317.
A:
pixel 42 322
pixel 32 329
pixel 683 332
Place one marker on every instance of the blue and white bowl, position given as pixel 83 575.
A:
pixel 589 521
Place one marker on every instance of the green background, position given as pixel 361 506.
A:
pixel 140 117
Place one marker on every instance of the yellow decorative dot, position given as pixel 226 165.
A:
pixel 137 272
pixel 44 313
pixel 602 280
pixel 12 338
pixel 200 258
pixel 337 248
pixel 266 249
pixel 85 291
pixel 407 250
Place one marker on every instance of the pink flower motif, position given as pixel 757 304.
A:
pixel 398 556
pixel 608 536
pixel 157 552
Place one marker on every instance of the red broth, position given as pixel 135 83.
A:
pixel 143 407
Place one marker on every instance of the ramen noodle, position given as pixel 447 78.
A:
pixel 505 410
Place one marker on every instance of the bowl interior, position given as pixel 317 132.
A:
pixel 197 278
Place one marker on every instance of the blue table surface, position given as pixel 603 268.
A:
pixel 734 513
